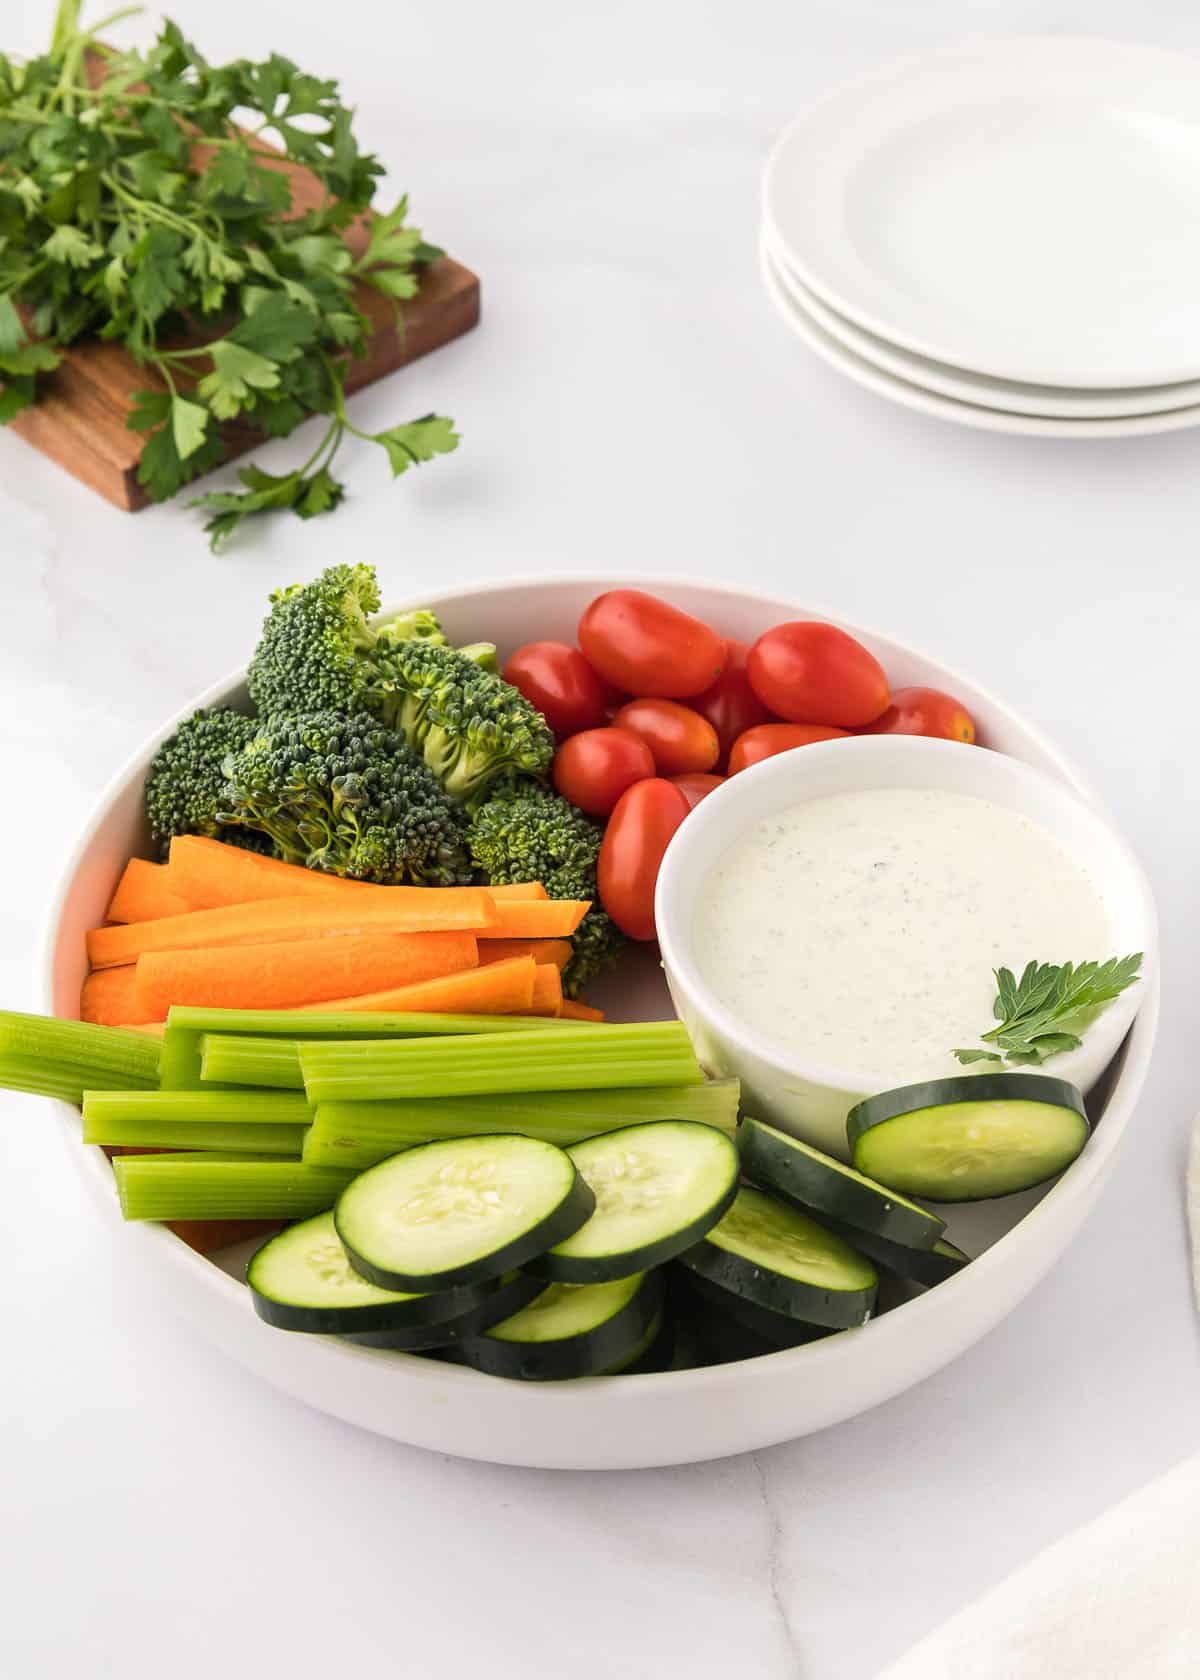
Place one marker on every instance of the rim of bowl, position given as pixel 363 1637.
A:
pixel 678 889
pixel 1070 1187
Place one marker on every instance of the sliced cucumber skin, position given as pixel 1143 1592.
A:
pixel 710 1300
pixel 926 1266
pixel 571 1212
pixel 497 1304
pixel 834 1309
pixel 770 1159
pixel 970 1087
pixel 606 1268
pixel 591 1354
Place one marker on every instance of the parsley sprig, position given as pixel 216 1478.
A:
pixel 139 211
pixel 1035 1013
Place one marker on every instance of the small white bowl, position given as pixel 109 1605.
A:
pixel 797 1092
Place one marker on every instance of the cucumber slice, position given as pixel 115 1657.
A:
pixel 571 1330
pixel 803 1174
pixel 658 1189
pixel 919 1265
pixel 500 1300
pixel 716 1308
pixel 967 1139
pixel 301 1279
pixel 461 1210
pixel 772 1254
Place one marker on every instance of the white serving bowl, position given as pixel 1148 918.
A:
pixel 798 1093
pixel 606 1422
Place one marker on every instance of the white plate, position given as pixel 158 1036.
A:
pixel 874 378
pixel 1051 401
pixel 608 1422
pixel 1026 208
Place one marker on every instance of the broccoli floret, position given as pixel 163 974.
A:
pixel 186 790
pixel 309 656
pixel 345 794
pixel 528 833
pixel 420 625
pixel 469 725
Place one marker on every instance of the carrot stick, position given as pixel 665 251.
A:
pixel 300 971
pixel 208 874
pixel 520 890
pixel 502 988
pixel 208 1235
pixel 552 918
pixel 110 998
pixel 556 951
pixel 144 892
pixel 573 1010
pixel 152 1029
pixel 281 919
pixel 547 990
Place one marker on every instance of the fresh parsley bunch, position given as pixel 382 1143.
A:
pixel 140 211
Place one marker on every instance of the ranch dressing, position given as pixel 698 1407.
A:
pixel 860 931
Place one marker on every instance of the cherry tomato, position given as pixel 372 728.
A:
pixel 593 769
pixel 557 679
pixel 815 673
pixel 925 711
pixel 679 738
pixel 695 785
pixel 638 833
pixel 731 705
pixel 767 739
pixel 646 646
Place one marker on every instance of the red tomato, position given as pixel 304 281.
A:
pixel 638 833
pixel 695 786
pixel 645 646
pixel 767 739
pixel 815 673
pixel 925 711
pixel 731 705
pixel 593 769
pixel 679 738
pixel 557 679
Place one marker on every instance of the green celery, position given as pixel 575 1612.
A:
pixel 592 1057
pixel 66 1058
pixel 229 1062
pixel 287 1142
pixel 209 1186
pixel 357 1134
pixel 187 1025
pixel 273 1123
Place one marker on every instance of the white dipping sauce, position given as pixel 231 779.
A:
pixel 860 931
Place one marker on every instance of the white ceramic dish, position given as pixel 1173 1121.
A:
pixel 1026 208
pixel 615 1422
pixel 1055 402
pixel 795 1092
pixel 874 378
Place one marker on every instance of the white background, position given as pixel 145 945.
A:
pixel 631 401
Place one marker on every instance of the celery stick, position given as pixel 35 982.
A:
pixel 591 1057
pixel 186 1026
pixel 230 1062
pixel 212 1187
pixel 272 1123
pixel 66 1058
pixel 357 1134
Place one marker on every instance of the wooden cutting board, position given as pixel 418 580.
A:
pixel 79 418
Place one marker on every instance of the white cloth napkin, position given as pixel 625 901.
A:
pixel 1117 1600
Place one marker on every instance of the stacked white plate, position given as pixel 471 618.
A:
pixel 1005 234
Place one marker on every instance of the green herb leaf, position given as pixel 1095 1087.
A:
pixel 1036 1013
pixel 189 424
pixel 420 440
pixel 237 375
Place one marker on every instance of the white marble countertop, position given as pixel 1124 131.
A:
pixel 631 402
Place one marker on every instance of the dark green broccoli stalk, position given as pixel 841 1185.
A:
pixel 318 647
pixel 528 833
pixel 347 795
pixel 469 725
pixel 186 791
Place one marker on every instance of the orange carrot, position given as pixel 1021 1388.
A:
pixel 110 999
pixel 208 1235
pixel 520 890
pixel 547 991
pixel 573 1010
pixel 152 1029
pixel 281 919
pixel 556 951
pixel 144 892
pixel 502 988
pixel 287 975
pixel 552 918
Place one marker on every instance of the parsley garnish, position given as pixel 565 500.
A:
pixel 140 212
pixel 1034 1013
